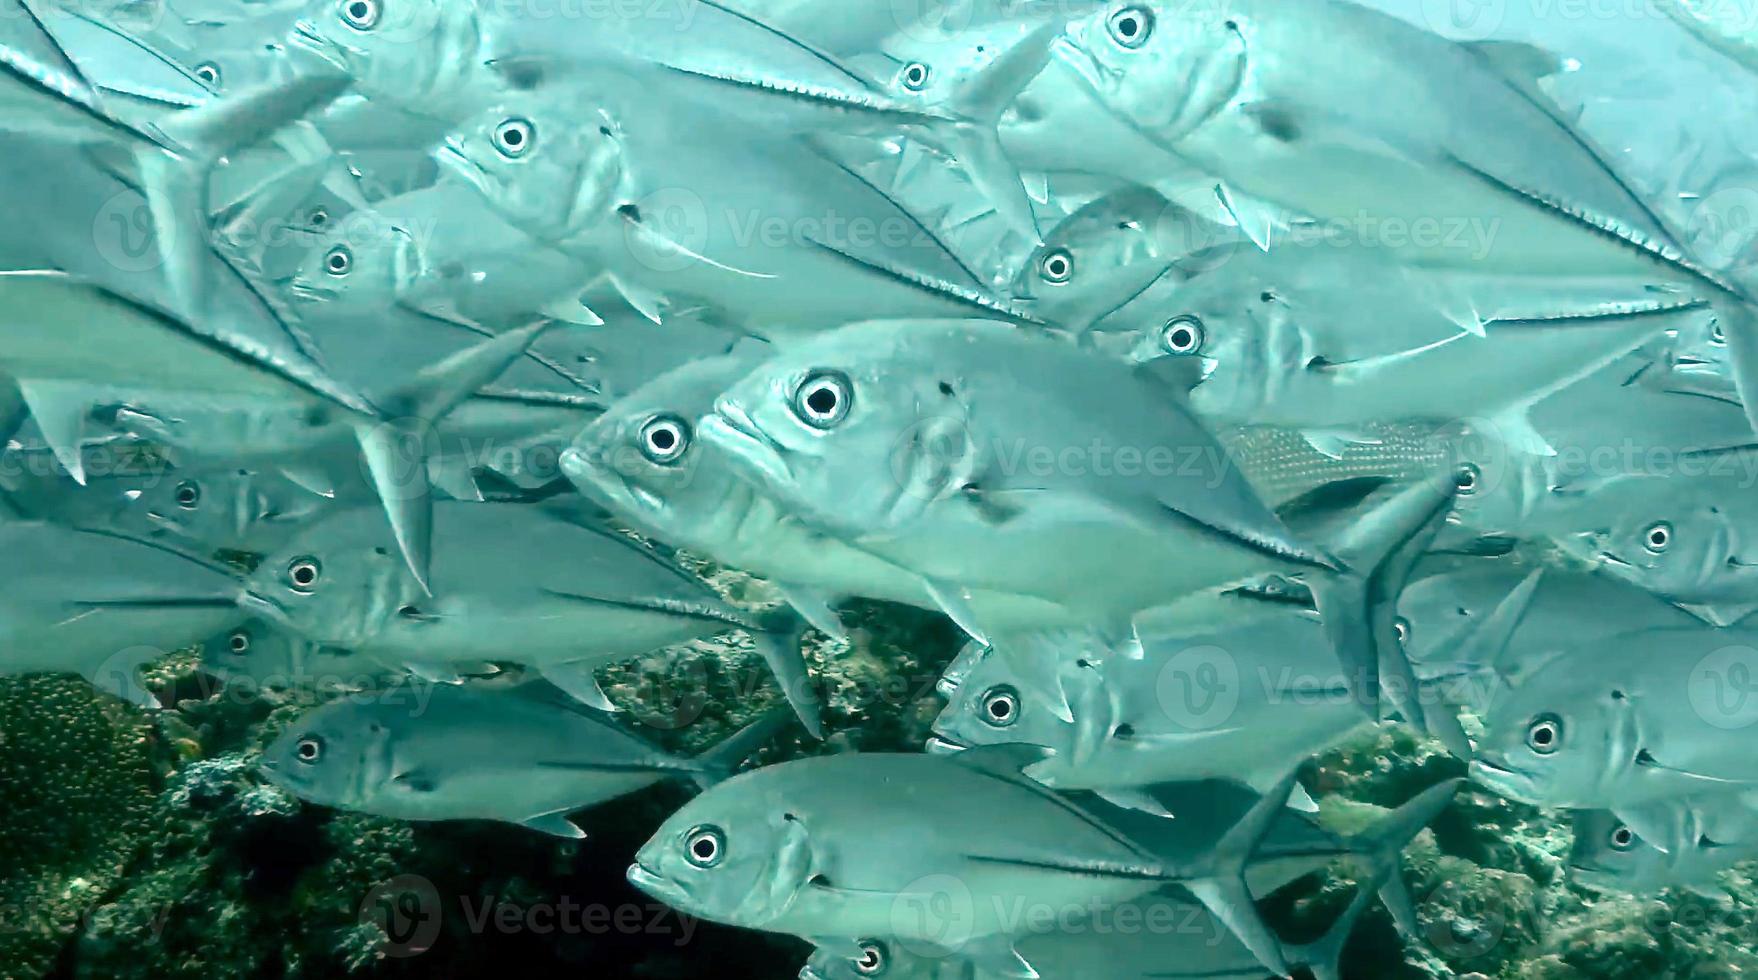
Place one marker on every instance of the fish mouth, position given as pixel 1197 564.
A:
pixel 938 745
pixel 306 291
pixel 733 431
pixel 1082 63
pixel 307 36
pixel 1502 780
pixel 451 155
pixel 586 470
pixel 1611 559
pixel 652 883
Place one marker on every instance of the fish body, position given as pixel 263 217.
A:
pixel 1726 27
pixel 1715 833
pixel 1244 692
pixel 470 752
pixel 100 605
pixel 1624 720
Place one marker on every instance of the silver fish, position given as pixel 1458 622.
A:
pixel 524 755
pixel 807 848
pixel 100 605
pixel 1715 833
pixel 1726 27
pixel 918 443
pixel 572 594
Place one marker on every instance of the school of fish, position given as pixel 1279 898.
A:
pixel 1234 374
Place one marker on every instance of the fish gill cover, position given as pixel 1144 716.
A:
pixel 851 488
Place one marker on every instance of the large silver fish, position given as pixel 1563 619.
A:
pixel 1730 28
pixel 965 451
pixel 510 583
pixel 823 847
pixel 525 755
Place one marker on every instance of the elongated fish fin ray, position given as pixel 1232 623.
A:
pixel 1382 844
pixel 60 410
pixel 226 125
pixel 980 98
pixel 1354 604
pixel 980 302
pixel 800 44
pixel 394 452
pixel 578 681
pixel 1254 219
pixel 781 645
pixel 1488 641
pixel 954 601
pixel 815 607
pixel 555 824
pixel 724 757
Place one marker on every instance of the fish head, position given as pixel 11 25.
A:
pixel 1554 739
pixel 1225 335
pixel 339 582
pixel 330 756
pixel 865 958
pixel 550 167
pixel 257 653
pixel 406 51
pixel 1165 67
pixel 731 855
pixel 1642 530
pixel 364 263
pixel 642 458
pixel 213 508
pixel 1608 854
pixel 992 704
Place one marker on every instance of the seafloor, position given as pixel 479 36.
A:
pixel 139 844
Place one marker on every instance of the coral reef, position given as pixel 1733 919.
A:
pixel 145 845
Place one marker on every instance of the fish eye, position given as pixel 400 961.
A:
pixel 1622 838
pixel 1401 626
pixel 208 72
pixel 1657 537
pixel 871 962
pixel 362 15
pixel 1000 706
pixel 1131 26
pixel 1182 335
pixel 514 137
pixel 187 494
pixel 1468 479
pixel 310 749
pixel 705 846
pixel 665 438
pixel 915 76
pixel 303 573
pixel 823 399
pixel 339 261
pixel 1545 734
pixel 1057 266
pixel 318 217
pixel 239 642
pixel 1717 335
